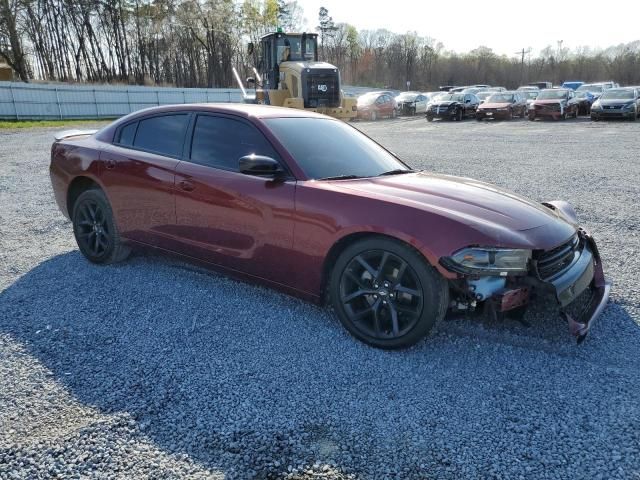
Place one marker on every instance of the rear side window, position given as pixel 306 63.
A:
pixel 163 134
pixel 220 142
pixel 127 134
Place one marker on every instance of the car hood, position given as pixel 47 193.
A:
pixel 495 105
pixel 549 101
pixel 616 101
pixel 485 207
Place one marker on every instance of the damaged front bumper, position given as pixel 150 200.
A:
pixel 566 272
pixel 587 273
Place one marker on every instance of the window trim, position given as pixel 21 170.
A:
pixel 186 157
pixel 180 156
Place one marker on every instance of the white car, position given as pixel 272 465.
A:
pixel 411 103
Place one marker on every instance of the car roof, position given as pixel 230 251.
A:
pixel 244 110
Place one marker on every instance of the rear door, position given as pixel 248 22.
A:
pixel 228 218
pixel 138 173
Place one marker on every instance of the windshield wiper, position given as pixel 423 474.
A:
pixel 397 171
pixel 341 177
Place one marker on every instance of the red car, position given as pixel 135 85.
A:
pixel 557 103
pixel 375 105
pixel 313 207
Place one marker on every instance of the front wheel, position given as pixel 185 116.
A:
pixel 429 118
pixel 459 115
pixel 532 116
pixel 386 294
pixel 95 230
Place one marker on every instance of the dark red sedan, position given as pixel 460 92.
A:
pixel 311 206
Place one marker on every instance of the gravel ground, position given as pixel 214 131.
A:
pixel 157 369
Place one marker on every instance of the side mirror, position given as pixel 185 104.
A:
pixel 259 165
pixel 468 100
pixel 250 48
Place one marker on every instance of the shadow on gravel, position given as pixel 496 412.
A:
pixel 250 381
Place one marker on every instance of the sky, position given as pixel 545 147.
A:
pixel 503 25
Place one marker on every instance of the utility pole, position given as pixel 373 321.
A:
pixel 522 52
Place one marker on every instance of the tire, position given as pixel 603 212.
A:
pixel 95 230
pixel 478 118
pixel 394 113
pixel 413 112
pixel 532 116
pixel 510 115
pixel 523 114
pixel 459 115
pixel 563 116
pixel 594 118
pixel 386 294
pixel 429 118
pixel 575 113
pixel 374 116
pixel 634 118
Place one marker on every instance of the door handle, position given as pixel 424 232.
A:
pixel 186 186
pixel 110 164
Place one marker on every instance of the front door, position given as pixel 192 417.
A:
pixel 238 221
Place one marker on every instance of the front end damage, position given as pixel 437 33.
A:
pixel 567 271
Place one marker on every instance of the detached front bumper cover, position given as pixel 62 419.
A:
pixel 599 287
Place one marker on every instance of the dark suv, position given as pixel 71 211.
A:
pixel 454 106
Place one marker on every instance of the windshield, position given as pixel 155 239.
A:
pixel 531 95
pixel 330 148
pixel 589 88
pixel 483 95
pixel 552 94
pixel 407 97
pixel 451 97
pixel 617 94
pixel 501 98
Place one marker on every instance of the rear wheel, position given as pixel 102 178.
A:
pixel 386 294
pixel 95 230
pixel 459 115
pixel 575 113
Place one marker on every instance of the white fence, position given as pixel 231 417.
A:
pixel 23 101
pixel 26 101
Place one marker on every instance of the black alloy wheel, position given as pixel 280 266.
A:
pixel 385 294
pixel 459 115
pixel 95 231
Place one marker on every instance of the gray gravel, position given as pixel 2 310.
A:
pixel 154 368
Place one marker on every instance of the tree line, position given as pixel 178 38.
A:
pixel 195 43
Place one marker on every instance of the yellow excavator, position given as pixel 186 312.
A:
pixel 290 75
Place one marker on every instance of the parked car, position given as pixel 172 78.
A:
pixel 410 103
pixel 530 96
pixel 453 106
pixel 558 103
pixel 458 89
pixel 311 206
pixel 504 105
pixel 375 105
pixel 528 88
pixel 595 89
pixel 446 88
pixel 482 96
pixel 496 89
pixel 573 85
pixel 617 103
pixel 584 99
pixel 541 85
pixel 473 90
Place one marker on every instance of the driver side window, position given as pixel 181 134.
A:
pixel 220 142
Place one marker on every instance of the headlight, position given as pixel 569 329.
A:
pixel 488 261
pixel 629 106
pixel 596 105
